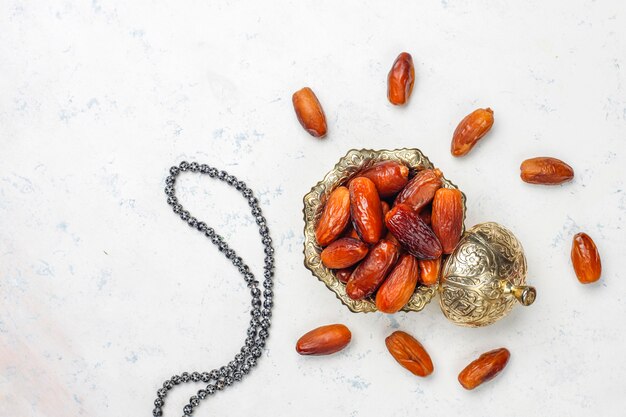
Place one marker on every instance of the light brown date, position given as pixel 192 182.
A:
pixel 399 285
pixel 400 79
pixel 409 353
pixel 411 231
pixel 324 340
pixel 343 253
pixel 545 170
pixel 372 271
pixel 309 112
pixel 389 177
pixel 335 216
pixel 486 367
pixel 585 259
pixel 429 271
pixel 471 129
pixel 447 218
pixel 421 189
pixel 366 210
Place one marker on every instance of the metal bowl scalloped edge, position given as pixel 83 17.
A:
pixel 355 161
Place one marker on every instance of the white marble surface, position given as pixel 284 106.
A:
pixel 104 292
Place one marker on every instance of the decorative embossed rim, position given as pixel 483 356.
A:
pixel 353 162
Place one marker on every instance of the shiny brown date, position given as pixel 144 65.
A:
pixel 389 177
pixel 421 189
pixel 335 216
pixel 309 112
pixel 324 340
pixel 429 271
pixel 409 353
pixel 343 253
pixel 399 285
pixel 412 233
pixel 486 367
pixel 366 210
pixel 400 79
pixel 585 259
pixel 546 171
pixel 471 129
pixel 447 218
pixel 372 271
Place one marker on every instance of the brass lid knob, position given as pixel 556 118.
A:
pixel 525 294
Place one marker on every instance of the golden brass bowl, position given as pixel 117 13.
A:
pixel 349 166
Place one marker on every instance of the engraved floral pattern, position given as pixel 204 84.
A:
pixel 471 287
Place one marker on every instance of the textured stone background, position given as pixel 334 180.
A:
pixel 104 292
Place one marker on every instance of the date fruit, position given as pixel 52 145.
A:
pixel 409 353
pixel 343 253
pixel 421 189
pixel 399 285
pixel 545 170
pixel 429 271
pixel 400 79
pixel 309 112
pixel 389 177
pixel 586 259
pixel 486 367
pixel 471 129
pixel 366 210
pixel 372 271
pixel 447 218
pixel 412 233
pixel 335 216
pixel 324 340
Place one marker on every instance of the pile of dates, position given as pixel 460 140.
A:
pixel 384 233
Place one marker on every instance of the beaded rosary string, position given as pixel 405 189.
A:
pixel 258 332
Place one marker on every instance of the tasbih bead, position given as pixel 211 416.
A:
pixel 258 332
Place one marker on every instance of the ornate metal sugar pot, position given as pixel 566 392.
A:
pixel 484 277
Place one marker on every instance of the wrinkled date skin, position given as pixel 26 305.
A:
pixel 372 271
pixel 399 285
pixel 471 129
pixel 400 79
pixel 447 218
pixel 389 177
pixel 366 210
pixel 335 216
pixel 309 112
pixel 324 340
pixel 429 271
pixel 586 259
pixel 409 353
pixel 343 253
pixel 545 170
pixel 343 275
pixel 412 233
pixel 421 189
pixel 485 368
